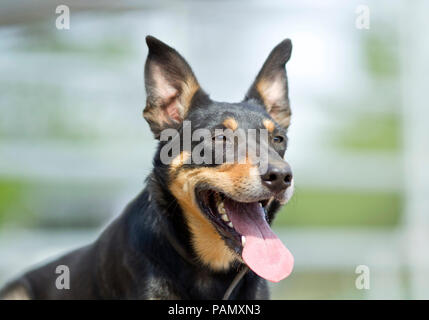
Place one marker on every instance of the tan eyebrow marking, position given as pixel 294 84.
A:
pixel 269 125
pixel 230 123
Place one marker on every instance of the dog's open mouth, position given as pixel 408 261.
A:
pixel 243 225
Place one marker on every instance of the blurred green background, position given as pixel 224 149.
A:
pixel 74 148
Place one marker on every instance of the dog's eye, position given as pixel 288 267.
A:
pixel 278 139
pixel 220 137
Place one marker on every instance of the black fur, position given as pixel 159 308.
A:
pixel 134 257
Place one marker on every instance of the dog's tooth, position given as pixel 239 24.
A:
pixel 221 208
pixel 243 240
pixel 260 204
pixel 230 224
pixel 224 217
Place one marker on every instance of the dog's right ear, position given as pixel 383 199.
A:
pixel 170 86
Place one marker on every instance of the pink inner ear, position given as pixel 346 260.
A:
pixel 168 95
pixel 274 92
pixel 172 109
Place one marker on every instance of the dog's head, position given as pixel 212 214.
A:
pixel 228 194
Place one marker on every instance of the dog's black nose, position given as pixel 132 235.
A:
pixel 277 178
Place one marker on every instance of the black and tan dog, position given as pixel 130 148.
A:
pixel 197 231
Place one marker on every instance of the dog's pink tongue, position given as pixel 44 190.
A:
pixel 263 251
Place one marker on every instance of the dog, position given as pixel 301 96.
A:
pixel 197 230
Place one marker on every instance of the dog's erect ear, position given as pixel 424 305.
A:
pixel 270 86
pixel 170 86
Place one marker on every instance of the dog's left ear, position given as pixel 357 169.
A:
pixel 270 87
pixel 170 86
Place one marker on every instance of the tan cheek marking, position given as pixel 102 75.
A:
pixel 235 173
pixel 230 123
pixel 208 244
pixel 269 125
pixel 179 160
